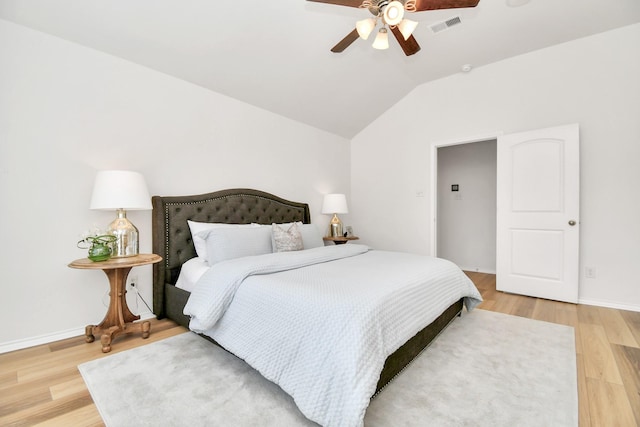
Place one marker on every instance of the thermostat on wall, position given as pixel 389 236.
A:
pixel 454 187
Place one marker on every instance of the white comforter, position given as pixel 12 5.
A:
pixel 321 322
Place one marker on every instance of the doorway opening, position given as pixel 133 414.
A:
pixel 465 204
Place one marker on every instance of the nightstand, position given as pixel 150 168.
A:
pixel 118 319
pixel 339 240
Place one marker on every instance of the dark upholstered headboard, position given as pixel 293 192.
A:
pixel 172 238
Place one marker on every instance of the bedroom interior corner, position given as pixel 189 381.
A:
pixel 42 384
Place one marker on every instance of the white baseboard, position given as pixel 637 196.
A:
pixel 39 340
pixel 609 304
pixel 478 270
pixel 52 337
pixel 585 301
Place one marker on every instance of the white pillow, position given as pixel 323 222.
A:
pixel 225 243
pixel 286 239
pixel 311 237
pixel 198 241
pixel 191 272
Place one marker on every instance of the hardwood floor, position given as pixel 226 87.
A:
pixel 42 385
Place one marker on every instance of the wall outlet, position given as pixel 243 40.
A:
pixel 590 272
pixel 133 282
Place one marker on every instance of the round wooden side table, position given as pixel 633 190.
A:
pixel 119 318
pixel 339 240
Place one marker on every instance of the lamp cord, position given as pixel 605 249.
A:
pixel 106 296
pixel 135 288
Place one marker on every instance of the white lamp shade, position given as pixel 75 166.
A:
pixel 406 27
pixel 120 190
pixel 393 13
pixel 382 40
pixel 334 204
pixel 365 27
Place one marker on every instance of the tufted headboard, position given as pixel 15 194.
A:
pixel 172 238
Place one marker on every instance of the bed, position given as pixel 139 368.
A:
pixel 172 240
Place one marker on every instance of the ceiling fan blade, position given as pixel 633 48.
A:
pixel 444 4
pixel 346 42
pixel 350 3
pixel 410 46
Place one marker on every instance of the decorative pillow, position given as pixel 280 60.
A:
pixel 199 242
pixel 225 243
pixel 311 237
pixel 286 240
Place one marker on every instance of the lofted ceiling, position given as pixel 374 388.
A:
pixel 276 54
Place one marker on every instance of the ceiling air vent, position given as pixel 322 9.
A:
pixel 445 25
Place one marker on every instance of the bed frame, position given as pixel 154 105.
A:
pixel 172 241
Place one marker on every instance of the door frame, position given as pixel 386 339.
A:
pixel 434 177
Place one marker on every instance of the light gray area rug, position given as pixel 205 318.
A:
pixel 485 369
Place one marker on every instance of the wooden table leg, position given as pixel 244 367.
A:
pixel 119 318
pixel 88 333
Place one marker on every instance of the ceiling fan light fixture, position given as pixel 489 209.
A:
pixel 393 13
pixel 382 40
pixel 407 27
pixel 365 27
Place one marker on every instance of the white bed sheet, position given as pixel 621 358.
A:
pixel 191 272
pixel 342 314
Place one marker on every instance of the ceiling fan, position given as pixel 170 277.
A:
pixel 390 13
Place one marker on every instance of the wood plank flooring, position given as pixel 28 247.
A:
pixel 42 386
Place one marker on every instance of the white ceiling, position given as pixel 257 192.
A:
pixel 275 54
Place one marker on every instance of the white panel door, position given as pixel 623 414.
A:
pixel 538 186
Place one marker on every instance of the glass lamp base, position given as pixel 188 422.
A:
pixel 335 227
pixel 126 233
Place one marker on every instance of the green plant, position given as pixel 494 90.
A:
pixel 100 247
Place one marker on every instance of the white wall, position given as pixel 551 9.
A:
pixel 466 219
pixel 591 81
pixel 66 112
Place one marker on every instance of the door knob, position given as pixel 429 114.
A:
pixel 572 223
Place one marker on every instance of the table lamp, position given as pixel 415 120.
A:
pixel 121 191
pixel 335 204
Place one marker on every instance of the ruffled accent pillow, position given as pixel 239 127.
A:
pixel 286 240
